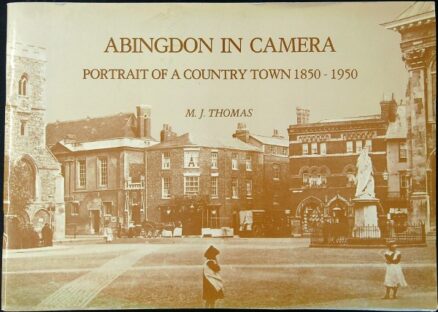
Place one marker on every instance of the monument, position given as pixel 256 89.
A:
pixel 365 201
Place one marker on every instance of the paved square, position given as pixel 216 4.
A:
pixel 263 273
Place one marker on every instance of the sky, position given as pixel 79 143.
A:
pixel 75 36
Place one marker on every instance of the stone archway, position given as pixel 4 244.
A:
pixel 40 218
pixel 309 211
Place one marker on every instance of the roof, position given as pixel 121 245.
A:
pixel 188 139
pixel 122 125
pixel 106 144
pixel 375 119
pixel 419 11
pixel 347 119
pixel 271 140
pixel 399 128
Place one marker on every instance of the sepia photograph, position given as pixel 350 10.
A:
pixel 218 155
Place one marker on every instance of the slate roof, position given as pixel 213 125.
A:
pixel 270 140
pixel 188 139
pixel 107 144
pixel 416 9
pixel 347 119
pixel 122 125
pixel 416 12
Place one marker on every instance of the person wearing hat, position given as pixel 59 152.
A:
pixel 213 287
pixel 394 277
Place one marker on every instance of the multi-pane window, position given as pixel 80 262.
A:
pixel 317 180
pixel 74 209
pixel 103 171
pixel 214 187
pixel 369 145
pixel 306 177
pixel 349 147
pixel 82 173
pixel 404 185
pixel 314 180
pixel 248 188
pixel 314 147
pixel 165 160
pixel 358 146
pixel 323 148
pixel 276 172
pixel 191 159
pixel 305 149
pixel 165 187
pixel 214 157
pixel 234 188
pixel 234 161
pixel 191 185
pixel 285 151
pixel 402 151
pixel 248 162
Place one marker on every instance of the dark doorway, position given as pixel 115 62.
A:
pixel 95 221
pixel 192 222
pixel 136 215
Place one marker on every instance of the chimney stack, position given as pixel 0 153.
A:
pixel 276 134
pixel 302 115
pixel 388 109
pixel 167 134
pixel 144 121
pixel 242 133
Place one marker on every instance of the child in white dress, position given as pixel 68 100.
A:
pixel 394 277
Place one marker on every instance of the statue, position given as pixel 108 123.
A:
pixel 364 176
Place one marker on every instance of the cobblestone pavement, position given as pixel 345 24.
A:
pixel 78 293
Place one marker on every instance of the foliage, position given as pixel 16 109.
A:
pixel 21 186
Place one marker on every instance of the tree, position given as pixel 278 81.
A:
pixel 21 186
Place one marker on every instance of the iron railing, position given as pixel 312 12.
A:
pixel 341 234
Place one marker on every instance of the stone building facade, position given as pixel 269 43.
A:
pixel 103 167
pixel 416 26
pixel 275 151
pixel 202 183
pixel 33 184
pixel 322 164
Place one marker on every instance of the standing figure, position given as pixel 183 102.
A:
pixel 47 235
pixel 213 287
pixel 394 277
pixel 364 176
pixel 108 233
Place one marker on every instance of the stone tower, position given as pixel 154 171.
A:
pixel 33 184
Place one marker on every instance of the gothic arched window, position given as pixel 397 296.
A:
pixel 22 84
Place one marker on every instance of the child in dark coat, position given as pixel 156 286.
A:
pixel 212 282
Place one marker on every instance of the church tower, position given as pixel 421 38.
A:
pixel 33 184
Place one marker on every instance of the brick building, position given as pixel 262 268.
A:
pixel 103 167
pixel 322 159
pixel 416 26
pixel 33 189
pixel 201 182
pixel 275 151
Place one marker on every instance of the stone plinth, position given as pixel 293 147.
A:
pixel 365 218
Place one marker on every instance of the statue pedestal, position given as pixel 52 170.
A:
pixel 365 218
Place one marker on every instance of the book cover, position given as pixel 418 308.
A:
pixel 277 155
